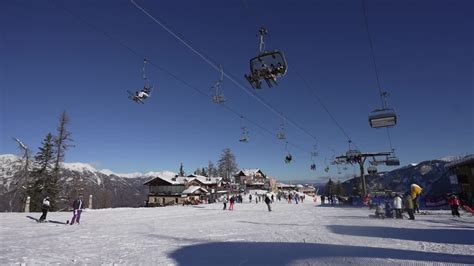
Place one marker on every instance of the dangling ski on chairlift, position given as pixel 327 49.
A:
pixel 267 65
pixel 140 95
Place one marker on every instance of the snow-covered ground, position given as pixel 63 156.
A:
pixel 303 234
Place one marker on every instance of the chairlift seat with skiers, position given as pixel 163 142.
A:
pixel 352 154
pixel 372 170
pixel 385 117
pixel 218 98
pixel 288 158
pixel 281 135
pixel 266 66
pixel 140 95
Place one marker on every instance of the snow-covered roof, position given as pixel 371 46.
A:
pixel 192 189
pixel 204 179
pixel 173 180
pixel 279 184
pixel 250 172
pixel 465 160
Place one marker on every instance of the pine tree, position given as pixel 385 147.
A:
pixel 330 187
pixel 227 164
pixel 42 182
pixel 181 170
pixel 62 144
pixel 211 169
pixel 340 191
pixel 203 172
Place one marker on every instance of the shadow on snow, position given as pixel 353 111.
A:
pixel 444 236
pixel 267 253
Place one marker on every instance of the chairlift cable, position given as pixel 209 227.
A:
pixel 389 139
pixel 174 76
pixel 216 67
pixel 372 53
pixel 147 82
pixel 383 95
pixel 313 91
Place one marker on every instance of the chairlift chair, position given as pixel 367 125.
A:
pixel 372 170
pixel 244 138
pixel 281 135
pixel 392 161
pixel 267 66
pixel 217 95
pixel 218 98
pixel 313 167
pixel 385 117
pixel 288 158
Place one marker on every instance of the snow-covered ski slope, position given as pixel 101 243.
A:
pixel 303 234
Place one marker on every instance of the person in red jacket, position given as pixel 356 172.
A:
pixel 231 206
pixel 454 204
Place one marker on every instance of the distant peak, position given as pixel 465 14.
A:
pixel 80 167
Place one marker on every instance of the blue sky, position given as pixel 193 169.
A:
pixel 51 61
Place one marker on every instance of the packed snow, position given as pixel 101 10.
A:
pixel 303 234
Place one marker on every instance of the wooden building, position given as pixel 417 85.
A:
pixel 463 177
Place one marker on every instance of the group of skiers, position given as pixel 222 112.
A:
pixel 238 198
pixel 410 205
pixel 77 206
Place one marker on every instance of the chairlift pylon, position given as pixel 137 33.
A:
pixel 266 66
pixel 352 154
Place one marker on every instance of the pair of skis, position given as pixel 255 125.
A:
pixel 47 221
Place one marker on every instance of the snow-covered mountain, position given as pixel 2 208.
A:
pixel 109 189
pixel 431 175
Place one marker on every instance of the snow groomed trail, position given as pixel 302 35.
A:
pixel 303 234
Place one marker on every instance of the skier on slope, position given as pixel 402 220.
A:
pixel 231 206
pixel 409 206
pixel 77 206
pixel 224 201
pixel 454 204
pixel 397 205
pixel 44 208
pixel 268 201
